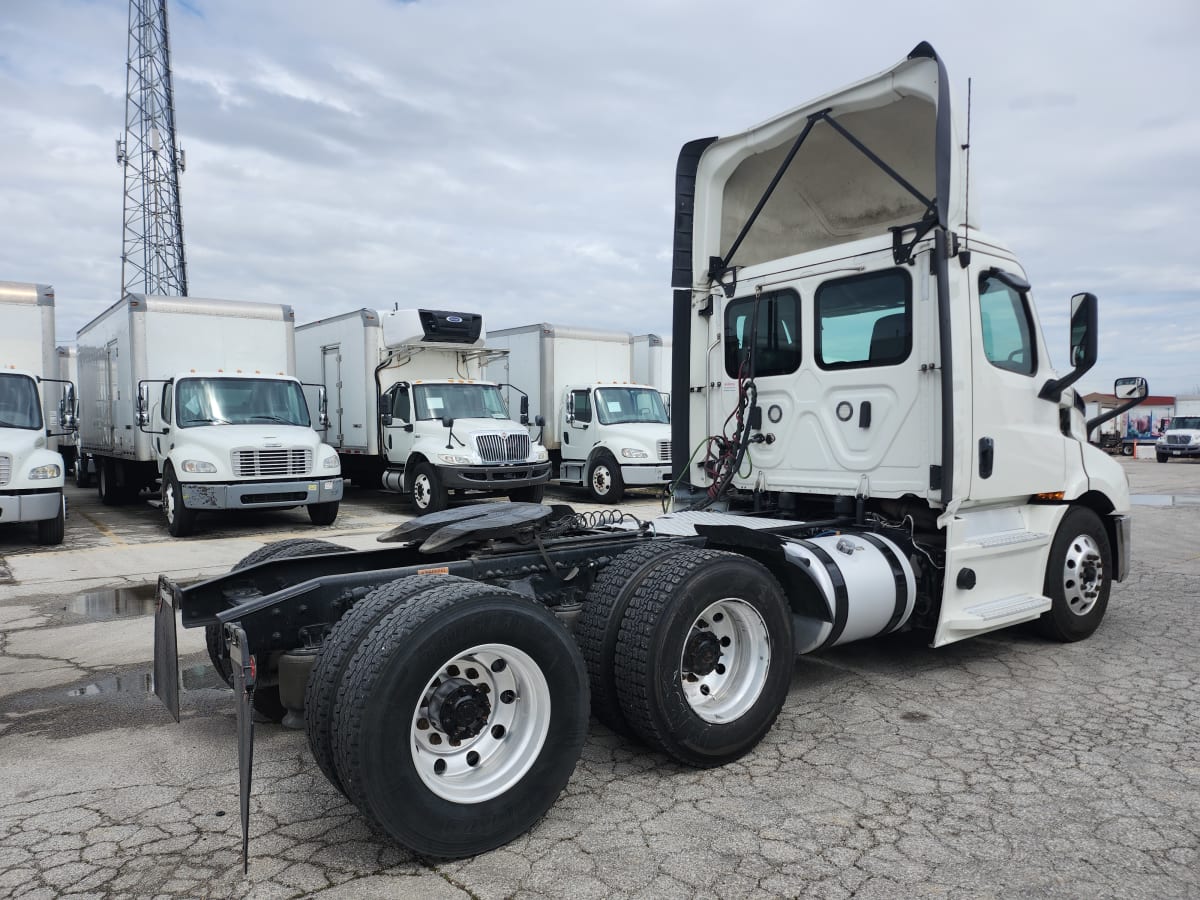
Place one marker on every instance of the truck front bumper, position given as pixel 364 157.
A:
pixel 495 478
pixel 652 474
pixel 262 494
pixel 30 506
pixel 1181 450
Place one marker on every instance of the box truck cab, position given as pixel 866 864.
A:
pixel 613 435
pixel 411 408
pixel 1181 438
pixel 234 432
pixel 32 407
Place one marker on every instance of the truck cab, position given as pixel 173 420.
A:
pixel 614 434
pixel 1180 439
pixel 236 441
pixel 31 473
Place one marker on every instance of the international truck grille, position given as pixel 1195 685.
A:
pixel 5 468
pixel 1171 439
pixel 502 447
pixel 664 451
pixel 271 463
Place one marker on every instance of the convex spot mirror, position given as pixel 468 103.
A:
pixel 1130 388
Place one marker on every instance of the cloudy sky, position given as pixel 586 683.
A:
pixel 517 157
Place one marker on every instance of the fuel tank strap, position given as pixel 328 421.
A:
pixel 841 597
pixel 897 573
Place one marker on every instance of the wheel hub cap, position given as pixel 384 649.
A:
pixel 702 653
pixel 459 708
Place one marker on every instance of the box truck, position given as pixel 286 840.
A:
pixel 67 372
pixel 411 408
pixel 32 399
pixel 917 464
pixel 1181 438
pixel 198 397
pixel 603 430
pixel 650 360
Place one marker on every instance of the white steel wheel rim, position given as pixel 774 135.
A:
pixel 735 683
pixel 1083 575
pixel 601 479
pixel 492 761
pixel 422 490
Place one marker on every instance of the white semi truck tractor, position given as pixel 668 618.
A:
pixel 197 398
pixel 35 405
pixel 869 437
pixel 412 409
pixel 604 430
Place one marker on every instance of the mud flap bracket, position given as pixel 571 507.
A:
pixel 166 646
pixel 245 676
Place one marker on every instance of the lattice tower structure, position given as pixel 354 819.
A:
pixel 152 257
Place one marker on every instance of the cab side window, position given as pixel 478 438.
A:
pixel 581 403
pixel 771 323
pixel 864 320
pixel 1007 327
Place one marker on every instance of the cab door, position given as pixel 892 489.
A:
pixel 1018 447
pixel 398 436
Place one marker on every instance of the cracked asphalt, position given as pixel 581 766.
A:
pixel 999 766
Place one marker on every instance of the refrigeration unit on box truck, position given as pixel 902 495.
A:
pixel 411 408
pixel 602 429
pixel 198 396
pixel 33 397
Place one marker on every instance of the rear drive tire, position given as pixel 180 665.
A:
pixel 323 513
pixel 1078 577
pixel 52 531
pixel 604 481
pixel 325 679
pixel 531 494
pixel 461 718
pixel 600 623
pixel 106 482
pixel 429 495
pixel 704 656
pixel 266 699
pixel 181 521
pixel 1161 457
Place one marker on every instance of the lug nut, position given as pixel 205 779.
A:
pixel 704 689
pixel 472 673
pixel 472 758
pixel 720 668
pixel 497 731
pixel 452 671
pixel 726 641
pixel 717 617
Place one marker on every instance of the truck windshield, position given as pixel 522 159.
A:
pixel 622 405
pixel 1181 422
pixel 239 401
pixel 19 406
pixel 459 401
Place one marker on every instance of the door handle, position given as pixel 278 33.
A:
pixel 389 442
pixel 987 455
pixel 864 414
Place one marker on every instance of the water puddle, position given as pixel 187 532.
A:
pixel 116 603
pixel 1164 500
pixel 192 678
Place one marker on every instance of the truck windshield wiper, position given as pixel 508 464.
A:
pixel 274 419
pixel 203 421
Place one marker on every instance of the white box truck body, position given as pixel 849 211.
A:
pixel 31 468
pixel 199 395
pixel 411 409
pixel 650 360
pixel 604 430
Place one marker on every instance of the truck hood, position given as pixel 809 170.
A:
pixel 26 449
pixel 216 444
pixel 641 435
pixel 831 192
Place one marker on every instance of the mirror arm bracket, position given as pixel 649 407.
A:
pixel 1111 414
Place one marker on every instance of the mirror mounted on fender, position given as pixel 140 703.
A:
pixel 1132 390
pixel 1085 339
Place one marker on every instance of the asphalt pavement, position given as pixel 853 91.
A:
pixel 1000 766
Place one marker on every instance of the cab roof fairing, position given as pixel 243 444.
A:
pixel 832 193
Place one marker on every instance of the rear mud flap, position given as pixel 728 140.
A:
pixel 244 678
pixel 166 647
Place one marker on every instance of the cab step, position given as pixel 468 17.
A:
pixel 1005 610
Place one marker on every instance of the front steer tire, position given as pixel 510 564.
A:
pixel 429 494
pixel 1078 577
pixel 533 493
pixel 486 664
pixel 704 658
pixel 604 481
pixel 181 521
pixel 323 513
pixel 52 531
pixel 266 698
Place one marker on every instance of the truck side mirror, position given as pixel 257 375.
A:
pixel 322 408
pixel 1131 389
pixel 524 410
pixel 66 410
pixel 539 421
pixel 385 410
pixel 143 406
pixel 1085 336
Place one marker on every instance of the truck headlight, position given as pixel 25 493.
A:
pixel 331 462
pixel 51 471
pixel 452 460
pixel 634 453
pixel 198 467
pixel 541 454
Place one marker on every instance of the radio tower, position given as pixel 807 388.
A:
pixel 152 260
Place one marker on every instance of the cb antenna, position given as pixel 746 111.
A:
pixel 967 148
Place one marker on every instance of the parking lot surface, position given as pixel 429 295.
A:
pixel 998 766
